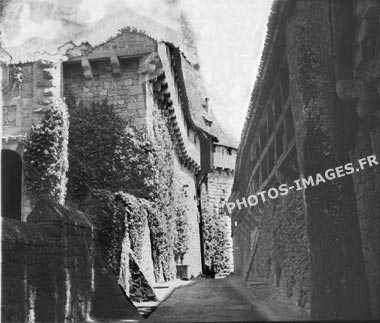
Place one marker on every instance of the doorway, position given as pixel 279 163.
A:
pixel 11 172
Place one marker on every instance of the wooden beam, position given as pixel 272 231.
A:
pixel 86 69
pixel 115 65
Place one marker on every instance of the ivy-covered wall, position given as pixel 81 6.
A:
pixel 184 182
pixel 30 90
pixel 216 224
pixel 45 155
pixel 52 270
pixel 128 179
pixel 279 244
pixel 219 189
pixel 124 91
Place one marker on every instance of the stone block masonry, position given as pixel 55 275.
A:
pixel 185 183
pixel 52 270
pixel 30 89
pixel 219 190
pixel 25 100
pixel 123 91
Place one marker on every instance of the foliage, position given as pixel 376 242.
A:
pixel 120 215
pixel 161 217
pixel 109 156
pixel 109 215
pixel 108 152
pixel 45 155
pixel 181 240
pixel 215 238
pixel 282 248
pixel 135 219
pixel 134 174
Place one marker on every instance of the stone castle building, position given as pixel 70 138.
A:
pixel 315 105
pixel 137 75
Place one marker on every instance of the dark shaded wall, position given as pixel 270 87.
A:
pixel 274 250
pixel 270 242
pixel 52 270
pixel 11 178
pixel 367 191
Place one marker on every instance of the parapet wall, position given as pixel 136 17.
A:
pixel 124 91
pixel 52 270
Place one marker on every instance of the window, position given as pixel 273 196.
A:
pixel 206 106
pixel 229 151
pixel 221 205
pixel 207 121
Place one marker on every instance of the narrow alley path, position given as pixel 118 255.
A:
pixel 207 300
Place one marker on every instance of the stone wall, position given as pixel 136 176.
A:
pixel 367 189
pixel 219 189
pixel 146 261
pixel 27 90
pixel 123 91
pixel 52 270
pixel 30 87
pixel 224 157
pixel 184 183
pixel 274 247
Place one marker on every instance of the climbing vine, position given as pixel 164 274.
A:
pixel 45 155
pixel 181 239
pixel 135 219
pixel 162 215
pixel 215 238
pixel 134 172
pixel 109 215
pixel 107 152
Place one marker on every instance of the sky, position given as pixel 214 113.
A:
pixel 228 36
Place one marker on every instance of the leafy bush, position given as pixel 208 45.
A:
pixel 45 155
pixel 134 174
pixel 161 216
pixel 109 216
pixel 107 152
pixel 215 237
pixel 181 240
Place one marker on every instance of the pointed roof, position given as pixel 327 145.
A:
pixel 195 94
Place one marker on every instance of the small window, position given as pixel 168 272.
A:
pixel 207 120
pixel 222 151
pixel 195 138
pixel 229 151
pixel 188 131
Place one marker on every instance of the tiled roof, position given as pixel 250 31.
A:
pixel 196 95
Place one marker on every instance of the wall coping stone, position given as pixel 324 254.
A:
pixel 48 211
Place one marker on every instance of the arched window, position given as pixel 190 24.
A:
pixel 11 170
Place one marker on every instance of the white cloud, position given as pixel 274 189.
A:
pixel 230 39
pixel 229 35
